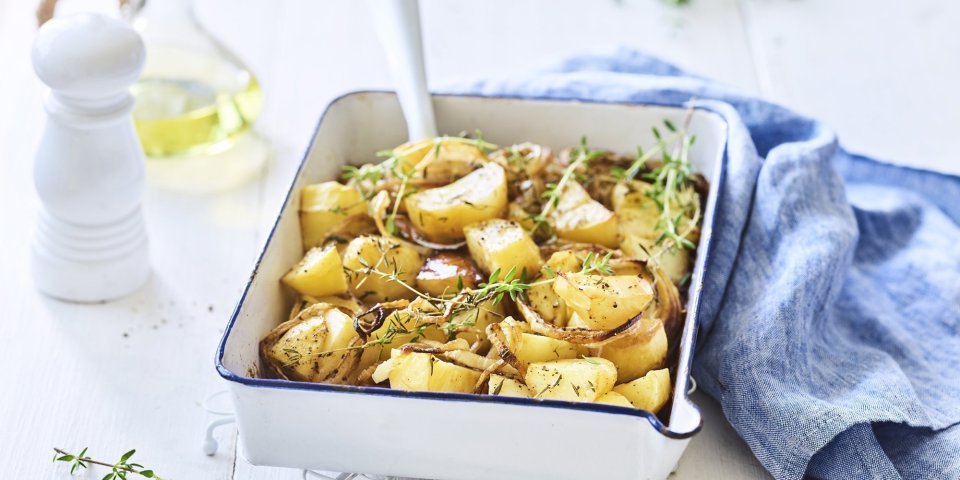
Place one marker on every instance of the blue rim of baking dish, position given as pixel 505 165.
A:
pixel 688 336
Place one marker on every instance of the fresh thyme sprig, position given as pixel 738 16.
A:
pixel 594 263
pixel 583 156
pixel 366 177
pixel 668 180
pixel 453 306
pixel 119 470
pixel 293 356
pixel 496 288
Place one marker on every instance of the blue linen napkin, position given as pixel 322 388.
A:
pixel 831 314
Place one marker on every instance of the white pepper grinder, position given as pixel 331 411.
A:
pixel 90 244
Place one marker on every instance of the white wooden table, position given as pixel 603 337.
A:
pixel 132 373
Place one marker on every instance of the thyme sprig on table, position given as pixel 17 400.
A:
pixel 119 470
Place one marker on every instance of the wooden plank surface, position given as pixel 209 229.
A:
pixel 133 373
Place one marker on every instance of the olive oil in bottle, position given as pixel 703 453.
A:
pixel 194 97
pixel 200 110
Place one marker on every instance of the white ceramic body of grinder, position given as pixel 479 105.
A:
pixel 90 243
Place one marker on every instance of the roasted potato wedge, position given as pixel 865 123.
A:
pixel 636 355
pixel 442 212
pixel 323 206
pixel 674 261
pixel 300 351
pixel 579 218
pixel 649 392
pixel 424 371
pixel 319 273
pixel 503 245
pixel 539 348
pixel 604 302
pixel 369 261
pixel 575 380
pixel 507 387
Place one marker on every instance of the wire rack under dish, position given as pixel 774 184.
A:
pixel 317 475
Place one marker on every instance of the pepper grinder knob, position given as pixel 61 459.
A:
pixel 90 244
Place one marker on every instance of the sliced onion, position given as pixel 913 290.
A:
pixel 458 344
pixel 378 210
pixel 485 375
pixel 379 313
pixel 582 336
pixel 505 346
pixel 669 308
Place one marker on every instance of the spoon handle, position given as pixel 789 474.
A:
pixel 398 25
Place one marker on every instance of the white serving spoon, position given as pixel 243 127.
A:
pixel 398 25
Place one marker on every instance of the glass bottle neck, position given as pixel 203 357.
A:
pixel 168 10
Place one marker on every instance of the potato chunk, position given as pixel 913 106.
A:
pixel 575 380
pixel 674 261
pixel 442 212
pixel 547 303
pixel 634 356
pixel 638 228
pixel 614 398
pixel 400 327
pixel 507 387
pixel 538 348
pixel 543 298
pixel 649 392
pixel 387 256
pixel 423 371
pixel 444 272
pixel 638 216
pixel 580 218
pixel 446 155
pixel 323 206
pixel 501 245
pixel 603 302
pixel 411 153
pixel 301 349
pixel 566 261
pixel 319 273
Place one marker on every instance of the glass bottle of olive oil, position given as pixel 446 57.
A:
pixel 194 96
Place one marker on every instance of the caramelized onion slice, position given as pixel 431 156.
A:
pixel 504 341
pixel 669 308
pixel 424 347
pixel 583 336
pixel 371 320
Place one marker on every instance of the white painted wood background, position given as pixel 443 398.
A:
pixel 132 373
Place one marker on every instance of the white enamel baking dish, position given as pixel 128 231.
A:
pixel 445 435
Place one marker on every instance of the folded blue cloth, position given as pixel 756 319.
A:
pixel 831 317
